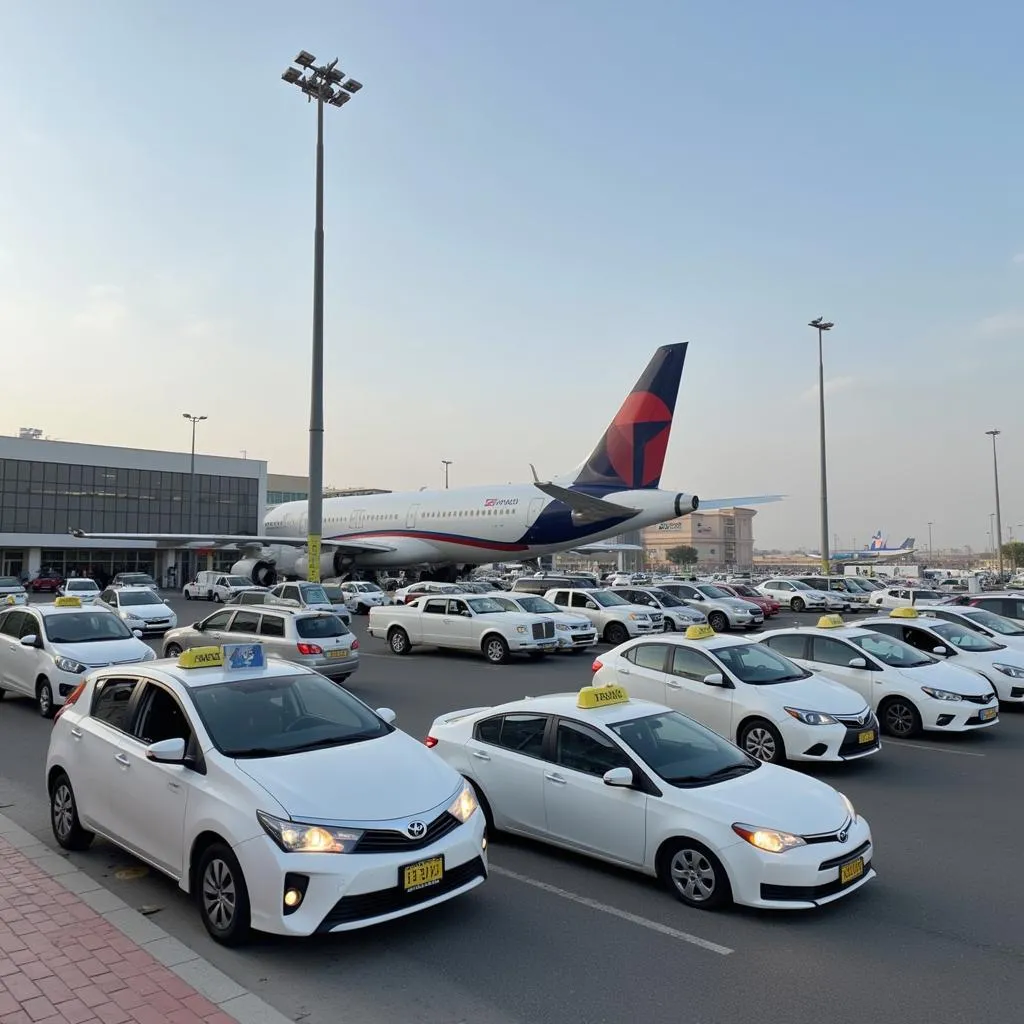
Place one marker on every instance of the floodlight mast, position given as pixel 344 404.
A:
pixel 325 84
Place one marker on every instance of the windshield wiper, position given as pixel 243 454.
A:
pixel 255 752
pixel 334 741
pixel 717 774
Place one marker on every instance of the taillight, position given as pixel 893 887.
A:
pixel 71 698
pixel 430 741
pixel 355 645
pixel 310 649
pixel 597 664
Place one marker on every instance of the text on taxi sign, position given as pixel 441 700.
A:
pixel 600 696
pixel 700 633
pixel 67 602
pixel 903 613
pixel 201 657
pixel 830 621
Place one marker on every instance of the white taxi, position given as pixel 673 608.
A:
pixel 12 591
pixel 273 796
pixel 771 707
pixel 907 689
pixel 85 590
pixel 639 785
pixel 141 608
pixel 45 648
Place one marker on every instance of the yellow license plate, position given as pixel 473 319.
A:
pixel 337 654
pixel 851 871
pixel 867 736
pixel 426 872
pixel 988 714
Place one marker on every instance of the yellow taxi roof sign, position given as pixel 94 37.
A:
pixel 601 696
pixel 904 613
pixel 201 657
pixel 830 622
pixel 700 633
pixel 10 599
pixel 68 602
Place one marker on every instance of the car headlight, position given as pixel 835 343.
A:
pixel 1014 671
pixel 768 839
pixel 297 837
pixel 150 655
pixel 941 694
pixel 850 809
pixel 69 665
pixel 135 620
pixel 520 629
pixel 810 717
pixel 465 805
pixel 561 625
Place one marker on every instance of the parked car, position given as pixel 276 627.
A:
pixel 140 608
pixel 311 596
pixel 215 586
pixel 678 615
pixel 11 591
pixel 723 611
pixel 87 591
pixel 794 595
pixel 768 605
pixel 573 632
pixel 614 618
pixel 45 582
pixel 134 579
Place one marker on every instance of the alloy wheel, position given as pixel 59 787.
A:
pixel 693 875
pixel 63 810
pixel 219 896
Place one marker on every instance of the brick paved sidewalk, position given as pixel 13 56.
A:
pixel 62 962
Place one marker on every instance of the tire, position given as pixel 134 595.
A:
pixel 362 609
pixel 223 896
pixel 217 599
pixel 762 740
pixel 668 626
pixel 615 633
pixel 188 595
pixel 44 698
pixel 797 604
pixel 719 622
pixel 495 649
pixel 398 641
pixel 694 875
pixel 67 829
pixel 172 651
pixel 899 717
pixel 209 595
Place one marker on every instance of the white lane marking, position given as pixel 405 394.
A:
pixel 604 908
pixel 896 744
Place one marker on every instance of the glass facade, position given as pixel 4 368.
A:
pixel 280 497
pixel 49 497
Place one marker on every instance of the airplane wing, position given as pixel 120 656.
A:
pixel 596 549
pixel 181 540
pixel 756 499
pixel 585 507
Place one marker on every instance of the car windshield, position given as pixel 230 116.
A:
pixel 534 605
pixel 133 599
pixel 682 752
pixel 606 599
pixel 366 588
pixel 892 652
pixel 84 586
pixel 9 581
pixel 667 600
pixel 926 595
pixel 312 627
pixel 758 665
pixel 85 628
pixel 963 638
pixel 708 590
pixel 800 585
pixel 744 591
pixel 136 579
pixel 283 715
pixel 482 605
pixel 236 581
pixel 313 593
pixel 1004 627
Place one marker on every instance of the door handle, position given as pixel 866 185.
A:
pixel 122 759
pixel 552 777
pixel 481 755
pixel 673 685
pixel 174 785
pixel 77 733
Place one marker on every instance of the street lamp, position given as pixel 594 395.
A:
pixel 820 324
pixel 999 520
pixel 930 525
pixel 325 84
pixel 446 463
pixel 192 485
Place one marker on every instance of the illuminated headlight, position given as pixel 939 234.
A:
pixel 1014 671
pixel 810 717
pixel 520 629
pixel 850 809
pixel 69 665
pixel 465 805
pixel 296 837
pixel 561 625
pixel 941 694
pixel 767 839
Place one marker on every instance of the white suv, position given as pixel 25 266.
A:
pixel 615 619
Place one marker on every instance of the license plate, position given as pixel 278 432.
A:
pixel 426 872
pixel 988 714
pixel 851 871
pixel 337 654
pixel 867 736
pixel 549 647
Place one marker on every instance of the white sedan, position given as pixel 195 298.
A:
pixel 361 596
pixel 639 785
pixel 226 771
pixel 140 608
pixel 771 707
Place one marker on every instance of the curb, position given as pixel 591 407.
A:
pixel 229 997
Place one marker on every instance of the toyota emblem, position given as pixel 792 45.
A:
pixel 842 837
pixel 415 830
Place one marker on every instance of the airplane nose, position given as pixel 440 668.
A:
pixel 686 503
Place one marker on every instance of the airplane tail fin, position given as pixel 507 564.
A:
pixel 908 543
pixel 631 453
pixel 876 542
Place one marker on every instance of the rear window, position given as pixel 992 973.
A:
pixel 319 627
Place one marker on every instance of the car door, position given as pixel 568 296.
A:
pixel 150 814
pixel 581 810
pixel 272 632
pixel 459 628
pixel 16 664
pixel 832 657
pixel 28 663
pixel 244 627
pixel 214 630
pixel 686 691
pixel 642 671
pixel 506 758
pixel 432 620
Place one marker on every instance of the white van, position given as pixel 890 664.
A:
pixel 216 586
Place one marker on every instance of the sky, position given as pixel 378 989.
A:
pixel 522 204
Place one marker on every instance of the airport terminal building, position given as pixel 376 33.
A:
pixel 48 488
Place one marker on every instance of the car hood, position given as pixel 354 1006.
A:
pixel 986 659
pixel 376 780
pixel 739 603
pixel 817 694
pixel 99 653
pixel 773 797
pixel 513 618
pixel 12 590
pixel 147 611
pixel 943 676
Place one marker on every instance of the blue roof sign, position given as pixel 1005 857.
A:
pixel 243 656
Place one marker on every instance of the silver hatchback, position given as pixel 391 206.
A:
pixel 318 640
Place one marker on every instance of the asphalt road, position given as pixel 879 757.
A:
pixel 553 938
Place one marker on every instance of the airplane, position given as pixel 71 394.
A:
pixel 875 550
pixel 444 532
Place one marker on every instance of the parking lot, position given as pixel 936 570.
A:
pixel 557 938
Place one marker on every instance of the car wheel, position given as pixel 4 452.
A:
pixel 495 649
pixel 797 604
pixel 398 641
pixel 668 626
pixel 362 609
pixel 188 595
pixel 719 622
pixel 616 633
pixel 762 740
pixel 44 698
pixel 223 896
pixel 172 651
pixel 899 718
pixel 695 875
pixel 217 599
pixel 67 829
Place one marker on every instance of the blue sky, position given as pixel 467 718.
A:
pixel 522 204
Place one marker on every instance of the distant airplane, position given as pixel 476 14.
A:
pixel 874 551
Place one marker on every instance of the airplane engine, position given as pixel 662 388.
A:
pixel 262 573
pixel 331 565
pixel 686 503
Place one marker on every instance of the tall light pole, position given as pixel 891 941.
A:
pixel 446 463
pixel 325 84
pixel 192 487
pixel 820 324
pixel 999 519
pixel 930 525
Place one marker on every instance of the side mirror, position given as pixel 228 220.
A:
pixel 590 606
pixel 858 663
pixel 386 715
pixel 198 626
pixel 167 751
pixel 30 641
pixel 940 650
pixel 137 633
pixel 714 679
pixel 619 777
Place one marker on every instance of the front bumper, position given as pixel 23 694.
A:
pixel 838 742
pixel 517 642
pixel 572 641
pixel 956 716
pixel 349 891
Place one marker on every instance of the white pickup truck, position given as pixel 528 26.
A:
pixel 467 622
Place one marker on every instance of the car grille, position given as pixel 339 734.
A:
pixel 387 901
pixel 657 617
pixel 827 837
pixel 981 700
pixel 543 630
pixel 805 893
pixel 834 862
pixel 584 638
pixel 385 840
pixel 866 718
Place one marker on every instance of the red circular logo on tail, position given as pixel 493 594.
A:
pixel 638 439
